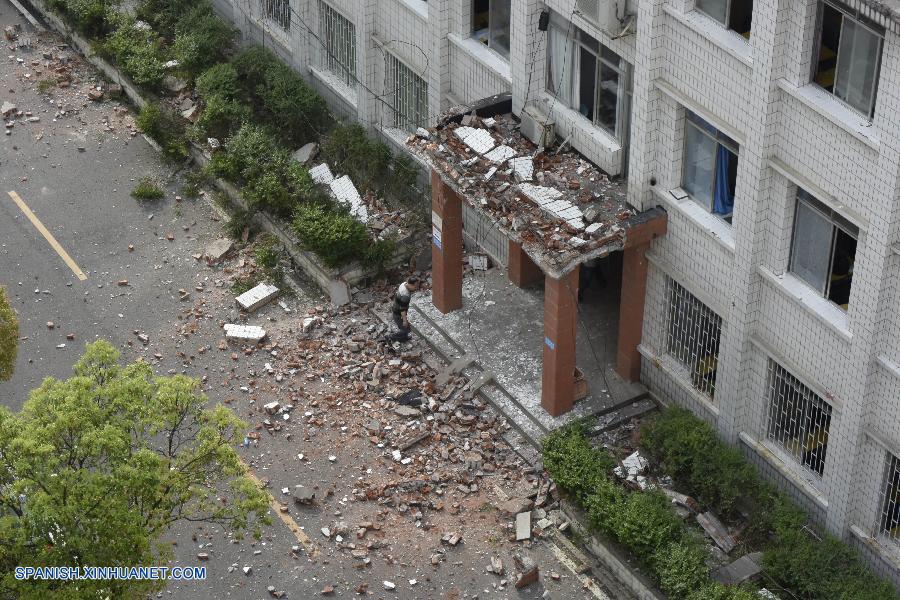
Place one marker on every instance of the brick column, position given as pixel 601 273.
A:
pixel 560 318
pixel 634 293
pixel 520 268
pixel 446 246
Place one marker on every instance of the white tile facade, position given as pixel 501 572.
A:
pixel 789 132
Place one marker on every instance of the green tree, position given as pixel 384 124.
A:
pixel 9 337
pixel 94 469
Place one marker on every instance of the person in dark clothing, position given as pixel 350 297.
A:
pixel 589 272
pixel 400 308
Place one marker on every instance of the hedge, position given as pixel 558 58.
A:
pixel 717 475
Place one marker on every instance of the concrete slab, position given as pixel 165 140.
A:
pixel 244 333
pixel 502 326
pixel 523 526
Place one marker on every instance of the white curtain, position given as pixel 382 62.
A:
pixel 857 66
pixel 811 247
pixel 559 74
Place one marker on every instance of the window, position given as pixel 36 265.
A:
pixel 710 166
pixel 890 502
pixel 339 43
pixel 586 76
pixel 733 14
pixel 849 56
pixel 798 419
pixel 693 338
pixel 408 94
pixel 490 24
pixel 278 11
pixel 823 249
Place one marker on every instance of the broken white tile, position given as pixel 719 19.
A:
pixel 479 140
pixel 538 194
pixel 346 193
pixel 523 167
pixel 593 227
pixel 244 333
pixel 500 154
pixel 256 297
pixel 321 174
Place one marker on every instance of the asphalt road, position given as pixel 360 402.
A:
pixel 75 173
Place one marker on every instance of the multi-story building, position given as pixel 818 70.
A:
pixel 769 131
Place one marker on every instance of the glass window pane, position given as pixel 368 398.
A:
pixel 480 20
pixel 714 8
pixel 857 66
pixel 811 246
pixel 500 26
pixel 699 163
pixel 587 83
pixel 608 108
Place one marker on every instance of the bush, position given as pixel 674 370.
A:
pixel 138 52
pixel 164 15
pixel 690 451
pixel 219 80
pixel 681 567
pixel 252 64
pixel 221 117
pixel 576 467
pixel 167 128
pixel 646 522
pixel 247 154
pixel 717 591
pixel 298 112
pixel 93 18
pixel 239 221
pixel 335 236
pixel 378 254
pixel 604 504
pixel 147 189
pixel 367 162
pixel 201 39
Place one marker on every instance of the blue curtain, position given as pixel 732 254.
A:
pixel 723 200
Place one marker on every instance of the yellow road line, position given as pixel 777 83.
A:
pixel 48 236
pixel 285 517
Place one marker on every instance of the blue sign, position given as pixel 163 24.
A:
pixel 549 343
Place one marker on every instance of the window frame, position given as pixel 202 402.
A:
pixel 727 22
pixel 720 139
pixel 580 41
pixel 488 39
pixel 837 223
pixel 331 60
pixel 861 21
pixel 702 328
pixel 282 18
pixel 412 103
pixel 890 486
pixel 810 400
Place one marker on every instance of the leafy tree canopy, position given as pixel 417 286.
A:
pixel 94 469
pixel 9 337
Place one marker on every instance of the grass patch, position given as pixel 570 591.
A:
pixel 45 85
pixel 147 189
pixel 166 128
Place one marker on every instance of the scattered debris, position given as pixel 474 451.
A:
pixel 244 333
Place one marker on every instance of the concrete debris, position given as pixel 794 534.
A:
pixel 304 495
pixel 257 297
pixel 496 566
pixel 527 570
pixel 389 585
pixel 321 174
pixel 310 323
pixel 173 84
pixel 746 568
pixel 95 94
pixel 306 153
pixel 717 531
pixel 515 506
pixel 523 526
pixel 635 464
pixel 7 108
pixel 218 251
pixel 244 333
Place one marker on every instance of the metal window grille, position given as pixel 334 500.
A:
pixel 890 499
pixel 798 419
pixel 481 233
pixel 693 336
pixel 278 11
pixel 339 49
pixel 408 94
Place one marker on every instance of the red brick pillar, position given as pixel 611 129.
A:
pixel 446 246
pixel 634 293
pixel 560 318
pixel 520 269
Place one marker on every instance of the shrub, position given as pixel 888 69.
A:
pixel 247 154
pixel 239 221
pixel 252 64
pixel 93 18
pixel 378 254
pixel 147 189
pixel 218 80
pixel 717 591
pixel 164 15
pixel 201 39
pixel 680 567
pixel 297 111
pixel 604 504
pixel 646 522
pixel 221 117
pixel 576 467
pixel 167 128
pixel 335 236
pixel 138 53
pixel 690 451
pixel 351 151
